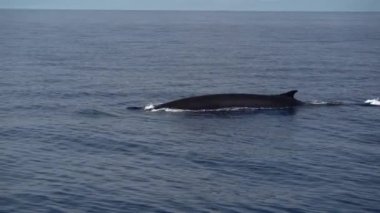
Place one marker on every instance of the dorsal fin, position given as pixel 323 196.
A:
pixel 289 94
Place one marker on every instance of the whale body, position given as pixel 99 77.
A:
pixel 234 100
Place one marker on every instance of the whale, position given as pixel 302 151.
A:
pixel 233 100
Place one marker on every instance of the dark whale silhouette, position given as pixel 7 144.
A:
pixel 221 101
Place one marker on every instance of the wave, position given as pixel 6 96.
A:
pixel 95 113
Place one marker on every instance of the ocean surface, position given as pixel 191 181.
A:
pixel 69 144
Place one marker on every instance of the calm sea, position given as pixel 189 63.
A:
pixel 68 143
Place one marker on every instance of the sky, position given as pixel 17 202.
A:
pixel 250 5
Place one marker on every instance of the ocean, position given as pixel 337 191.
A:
pixel 68 143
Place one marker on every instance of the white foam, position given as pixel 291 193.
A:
pixel 149 107
pixel 329 103
pixel 168 110
pixel 375 102
pixel 317 102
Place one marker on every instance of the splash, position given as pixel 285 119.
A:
pixel 374 102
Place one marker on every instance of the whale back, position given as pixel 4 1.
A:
pixel 217 101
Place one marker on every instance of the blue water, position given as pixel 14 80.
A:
pixel 68 143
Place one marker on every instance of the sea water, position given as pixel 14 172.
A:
pixel 68 143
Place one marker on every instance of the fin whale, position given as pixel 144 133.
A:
pixel 220 101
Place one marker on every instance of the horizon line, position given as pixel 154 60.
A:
pixel 194 10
